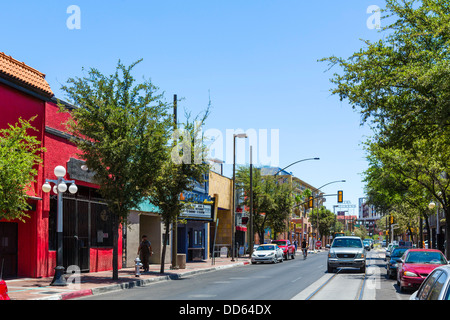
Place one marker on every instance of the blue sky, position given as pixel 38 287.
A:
pixel 256 59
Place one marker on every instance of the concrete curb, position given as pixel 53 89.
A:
pixel 136 283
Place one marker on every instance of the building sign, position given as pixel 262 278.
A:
pixel 195 197
pixel 196 210
pixel 199 206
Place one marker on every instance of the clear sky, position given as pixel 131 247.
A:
pixel 255 59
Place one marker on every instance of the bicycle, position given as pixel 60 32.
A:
pixel 305 253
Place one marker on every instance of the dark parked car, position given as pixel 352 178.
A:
pixel 367 245
pixel 395 257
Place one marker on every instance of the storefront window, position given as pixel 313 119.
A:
pixel 101 226
pixel 92 219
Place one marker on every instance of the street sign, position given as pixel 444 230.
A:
pixel 318 243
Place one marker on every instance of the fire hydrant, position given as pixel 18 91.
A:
pixel 137 266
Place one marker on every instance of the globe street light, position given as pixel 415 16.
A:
pixel 60 186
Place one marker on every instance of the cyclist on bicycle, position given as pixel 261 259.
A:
pixel 304 248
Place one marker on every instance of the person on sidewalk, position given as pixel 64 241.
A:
pixel 145 251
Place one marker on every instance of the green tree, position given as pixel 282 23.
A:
pixel 301 202
pixel 283 200
pixel 326 220
pixel 263 202
pixel 401 82
pixel 20 155
pixel 122 130
pixel 400 85
pixel 183 168
pixel 423 168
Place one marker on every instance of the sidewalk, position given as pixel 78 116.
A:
pixel 101 282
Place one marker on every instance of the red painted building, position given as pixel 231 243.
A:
pixel 28 248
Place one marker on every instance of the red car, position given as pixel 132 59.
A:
pixel 3 290
pixel 415 265
pixel 287 247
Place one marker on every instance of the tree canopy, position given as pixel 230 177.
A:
pixel 122 129
pixel 20 155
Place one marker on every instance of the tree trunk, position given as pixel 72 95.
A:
pixel 163 254
pixel 261 237
pixel 447 232
pixel 115 247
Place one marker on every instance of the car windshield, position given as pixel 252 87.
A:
pixel 398 253
pixel 425 257
pixel 265 247
pixel 347 243
pixel 280 243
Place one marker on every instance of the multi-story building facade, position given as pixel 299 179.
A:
pixel 299 225
pixel 28 248
pixel 368 217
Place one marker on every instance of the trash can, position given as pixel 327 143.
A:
pixel 181 260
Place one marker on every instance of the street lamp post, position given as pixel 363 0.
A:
pixel 318 189
pixel 233 208
pixel 60 186
pixel 295 163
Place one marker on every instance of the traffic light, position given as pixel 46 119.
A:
pixel 310 201
pixel 392 219
pixel 340 195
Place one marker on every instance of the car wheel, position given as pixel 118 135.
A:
pixel 362 269
pixel 330 269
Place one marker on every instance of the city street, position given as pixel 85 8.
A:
pixel 184 152
pixel 294 279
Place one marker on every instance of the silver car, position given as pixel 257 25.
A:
pixel 267 253
pixel 347 252
pixel 435 287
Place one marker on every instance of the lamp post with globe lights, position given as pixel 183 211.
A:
pixel 60 186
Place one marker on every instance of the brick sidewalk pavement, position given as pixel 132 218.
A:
pixel 100 282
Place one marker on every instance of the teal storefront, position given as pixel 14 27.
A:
pixel 193 236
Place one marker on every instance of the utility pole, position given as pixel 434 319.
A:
pixel 175 222
pixel 251 205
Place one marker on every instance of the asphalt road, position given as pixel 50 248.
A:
pixel 280 281
pixel 290 280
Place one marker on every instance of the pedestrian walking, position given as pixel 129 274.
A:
pixel 145 252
